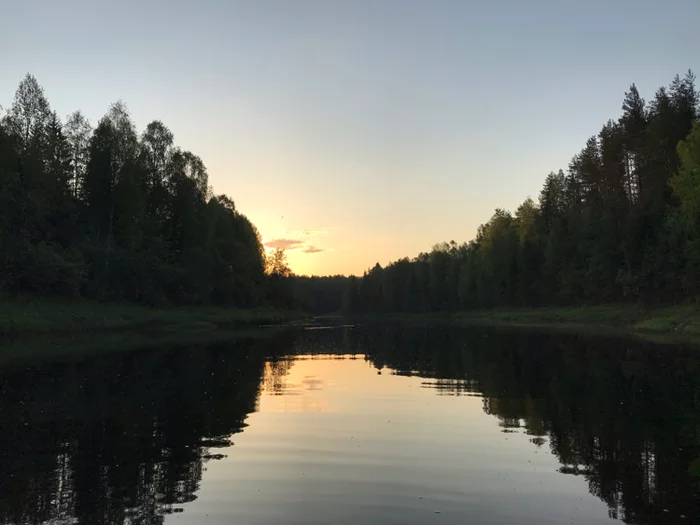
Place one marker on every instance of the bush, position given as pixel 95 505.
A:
pixel 49 269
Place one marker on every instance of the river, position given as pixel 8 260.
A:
pixel 390 424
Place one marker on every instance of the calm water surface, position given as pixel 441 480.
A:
pixel 389 424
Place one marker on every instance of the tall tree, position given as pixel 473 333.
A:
pixel 29 113
pixel 634 123
pixel 78 130
pixel 158 142
pixel 684 223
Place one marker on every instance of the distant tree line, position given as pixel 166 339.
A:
pixel 622 223
pixel 314 294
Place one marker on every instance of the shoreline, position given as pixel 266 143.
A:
pixel 34 321
pixel 666 324
pixel 28 317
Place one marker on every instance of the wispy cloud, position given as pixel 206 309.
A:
pixel 298 240
pixel 285 244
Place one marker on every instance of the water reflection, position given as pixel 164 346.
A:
pixel 123 439
pixel 128 438
pixel 625 416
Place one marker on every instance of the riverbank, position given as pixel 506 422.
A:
pixel 57 347
pixel 40 316
pixel 670 323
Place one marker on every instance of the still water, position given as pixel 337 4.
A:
pixel 380 424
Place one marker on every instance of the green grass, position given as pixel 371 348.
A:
pixel 33 316
pixel 669 324
pixel 661 324
pixel 608 315
pixel 55 348
pixel 671 319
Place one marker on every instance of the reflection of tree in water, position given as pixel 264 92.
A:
pixel 121 439
pixel 624 416
pixel 125 439
pixel 450 386
pixel 275 372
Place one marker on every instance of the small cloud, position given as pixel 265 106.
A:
pixel 285 244
pixel 304 241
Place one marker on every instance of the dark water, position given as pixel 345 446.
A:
pixel 405 425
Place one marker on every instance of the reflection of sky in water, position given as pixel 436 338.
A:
pixel 334 442
pixel 520 428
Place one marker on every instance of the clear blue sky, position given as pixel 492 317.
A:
pixel 368 130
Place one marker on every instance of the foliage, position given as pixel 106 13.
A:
pixel 276 264
pixel 107 214
pixel 39 314
pixel 622 223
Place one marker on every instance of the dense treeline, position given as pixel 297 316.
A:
pixel 108 213
pixel 112 214
pixel 622 223
pixel 314 294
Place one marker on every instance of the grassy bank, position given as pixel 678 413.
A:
pixel 54 348
pixel 34 316
pixel 669 323
pixel 683 319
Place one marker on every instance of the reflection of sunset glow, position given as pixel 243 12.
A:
pixel 312 383
pixel 298 384
pixel 319 383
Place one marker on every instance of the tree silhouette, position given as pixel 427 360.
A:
pixel 611 228
pixel 107 214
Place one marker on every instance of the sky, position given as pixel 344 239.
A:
pixel 360 131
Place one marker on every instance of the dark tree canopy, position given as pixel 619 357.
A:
pixel 113 214
pixel 622 223
pixel 109 214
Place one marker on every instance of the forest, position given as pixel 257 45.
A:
pixel 107 213
pixel 621 224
